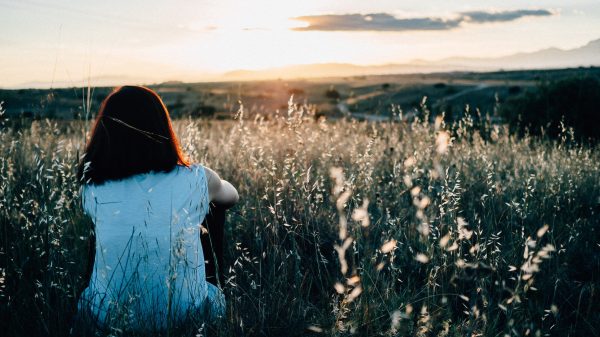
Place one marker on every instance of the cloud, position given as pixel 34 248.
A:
pixel 482 17
pixel 379 22
pixel 388 22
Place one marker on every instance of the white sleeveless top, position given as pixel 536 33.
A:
pixel 149 264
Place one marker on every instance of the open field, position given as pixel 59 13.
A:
pixel 343 227
pixel 376 97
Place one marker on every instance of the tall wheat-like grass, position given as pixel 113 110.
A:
pixel 343 227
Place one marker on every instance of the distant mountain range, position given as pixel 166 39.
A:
pixel 588 55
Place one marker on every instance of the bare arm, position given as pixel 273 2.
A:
pixel 221 192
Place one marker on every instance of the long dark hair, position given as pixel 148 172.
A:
pixel 132 134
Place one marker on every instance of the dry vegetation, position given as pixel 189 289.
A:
pixel 343 228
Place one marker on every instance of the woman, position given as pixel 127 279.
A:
pixel 147 203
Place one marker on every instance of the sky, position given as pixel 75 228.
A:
pixel 81 42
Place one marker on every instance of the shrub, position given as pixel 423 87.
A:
pixel 514 90
pixel 332 94
pixel 203 110
pixel 574 102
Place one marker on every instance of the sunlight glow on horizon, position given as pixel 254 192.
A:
pixel 67 41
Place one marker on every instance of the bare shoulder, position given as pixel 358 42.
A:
pixel 220 191
pixel 213 180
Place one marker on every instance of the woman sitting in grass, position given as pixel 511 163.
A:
pixel 147 202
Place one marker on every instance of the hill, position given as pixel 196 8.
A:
pixel 587 55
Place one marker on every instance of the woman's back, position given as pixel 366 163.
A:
pixel 149 264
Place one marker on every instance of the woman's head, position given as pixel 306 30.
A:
pixel 132 134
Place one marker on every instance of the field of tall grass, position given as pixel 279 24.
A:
pixel 343 228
